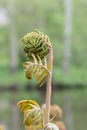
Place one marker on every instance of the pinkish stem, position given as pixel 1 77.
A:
pixel 48 89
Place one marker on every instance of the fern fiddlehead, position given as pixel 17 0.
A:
pixel 36 46
pixel 37 43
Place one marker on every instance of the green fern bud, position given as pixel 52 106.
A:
pixel 37 43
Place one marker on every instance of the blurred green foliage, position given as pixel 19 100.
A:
pixel 48 17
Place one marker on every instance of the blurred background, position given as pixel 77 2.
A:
pixel 65 22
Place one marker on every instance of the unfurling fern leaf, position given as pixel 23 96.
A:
pixel 37 43
pixel 32 113
pixel 25 105
pixel 36 68
pixel 33 117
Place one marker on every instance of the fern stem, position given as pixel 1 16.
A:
pixel 48 89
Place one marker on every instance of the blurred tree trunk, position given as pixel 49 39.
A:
pixel 66 60
pixel 13 60
pixel 68 113
pixel 14 115
pixel 67 35
pixel 13 38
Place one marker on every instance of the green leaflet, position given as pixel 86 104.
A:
pixel 33 117
pixel 25 105
pixel 32 113
pixel 36 68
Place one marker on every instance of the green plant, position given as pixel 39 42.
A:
pixel 36 46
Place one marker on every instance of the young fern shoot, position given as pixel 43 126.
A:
pixel 36 46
